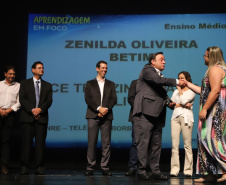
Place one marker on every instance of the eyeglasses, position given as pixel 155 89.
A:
pixel 205 56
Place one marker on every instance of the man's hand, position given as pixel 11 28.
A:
pixel 36 111
pixel 37 117
pixel 8 111
pixel 100 115
pixel 172 105
pixel 103 110
pixel 182 82
pixel 3 113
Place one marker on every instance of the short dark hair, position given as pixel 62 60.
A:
pixel 100 62
pixel 153 56
pixel 8 67
pixel 35 64
pixel 187 75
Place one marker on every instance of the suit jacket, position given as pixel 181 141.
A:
pixel 151 94
pixel 131 97
pixel 93 98
pixel 28 101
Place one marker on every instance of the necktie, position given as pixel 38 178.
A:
pixel 37 95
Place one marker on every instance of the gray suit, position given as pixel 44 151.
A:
pixel 149 114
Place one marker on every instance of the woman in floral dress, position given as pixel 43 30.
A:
pixel 211 136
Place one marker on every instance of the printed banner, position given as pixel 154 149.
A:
pixel 71 45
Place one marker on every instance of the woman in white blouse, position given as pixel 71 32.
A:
pixel 182 121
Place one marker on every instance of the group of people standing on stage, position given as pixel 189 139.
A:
pixel 148 99
pixel 34 97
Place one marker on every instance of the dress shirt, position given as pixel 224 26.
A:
pixel 39 84
pixel 101 86
pixel 9 95
pixel 160 74
pixel 187 97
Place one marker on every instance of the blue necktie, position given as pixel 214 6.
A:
pixel 37 95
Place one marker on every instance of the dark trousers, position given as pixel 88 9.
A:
pixel 149 139
pixel 133 159
pixel 29 131
pixel 105 126
pixel 6 128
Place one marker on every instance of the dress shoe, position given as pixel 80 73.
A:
pixel 187 176
pixel 89 173
pixel 40 171
pixel 160 177
pixel 130 172
pixel 24 170
pixel 172 175
pixel 106 173
pixel 144 176
pixel 5 170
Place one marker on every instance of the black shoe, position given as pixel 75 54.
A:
pixel 106 173
pixel 24 170
pixel 160 177
pixel 187 176
pixel 131 172
pixel 144 176
pixel 40 171
pixel 89 173
pixel 172 175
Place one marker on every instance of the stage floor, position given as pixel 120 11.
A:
pixel 67 167
pixel 67 177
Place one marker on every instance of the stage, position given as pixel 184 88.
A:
pixel 68 177
pixel 67 166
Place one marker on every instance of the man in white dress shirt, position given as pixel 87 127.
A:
pixel 100 97
pixel 9 104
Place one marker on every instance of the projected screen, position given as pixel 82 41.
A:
pixel 71 45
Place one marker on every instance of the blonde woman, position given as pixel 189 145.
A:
pixel 182 121
pixel 211 159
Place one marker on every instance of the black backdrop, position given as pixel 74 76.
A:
pixel 14 19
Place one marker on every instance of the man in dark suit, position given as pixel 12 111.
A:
pixel 35 98
pixel 133 159
pixel 100 97
pixel 149 113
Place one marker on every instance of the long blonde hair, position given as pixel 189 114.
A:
pixel 215 58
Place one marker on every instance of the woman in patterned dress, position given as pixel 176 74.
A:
pixel 211 135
